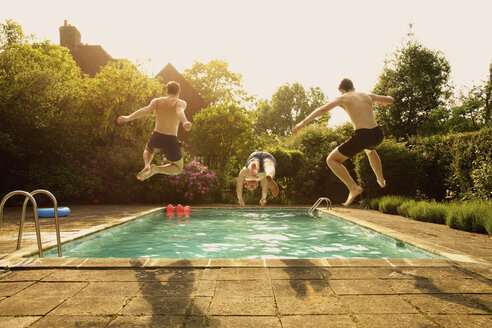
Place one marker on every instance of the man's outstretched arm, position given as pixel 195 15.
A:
pixel 316 113
pixel 382 99
pixel 144 111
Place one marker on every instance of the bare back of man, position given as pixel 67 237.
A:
pixel 166 114
pixel 358 106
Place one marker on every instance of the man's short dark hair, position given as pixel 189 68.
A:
pixel 346 85
pixel 172 88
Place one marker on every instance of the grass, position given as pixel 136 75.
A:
pixel 475 216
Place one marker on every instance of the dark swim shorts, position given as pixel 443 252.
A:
pixel 361 139
pixel 261 156
pixel 165 144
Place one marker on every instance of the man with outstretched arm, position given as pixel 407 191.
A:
pixel 367 135
pixel 169 112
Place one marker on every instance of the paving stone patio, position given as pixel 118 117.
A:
pixel 61 292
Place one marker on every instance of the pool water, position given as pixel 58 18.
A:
pixel 240 234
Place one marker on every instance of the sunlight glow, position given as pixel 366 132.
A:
pixel 315 43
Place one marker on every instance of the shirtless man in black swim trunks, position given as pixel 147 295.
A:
pixel 169 112
pixel 366 137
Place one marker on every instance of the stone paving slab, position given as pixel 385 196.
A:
pixel 11 288
pixel 460 321
pixel 243 288
pixel 19 322
pixel 361 287
pixel 243 305
pixel 144 321
pixel 396 320
pixel 318 321
pixel 317 304
pixel 365 304
pixel 301 288
pixel 447 304
pixel 20 306
pixel 51 321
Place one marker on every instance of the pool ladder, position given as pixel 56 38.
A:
pixel 318 202
pixel 29 196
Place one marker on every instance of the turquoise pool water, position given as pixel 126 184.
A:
pixel 245 234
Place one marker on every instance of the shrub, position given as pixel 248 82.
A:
pixel 195 184
pixel 389 204
pixel 400 166
pixel 460 162
pixel 425 211
pixel 474 217
pixel 370 204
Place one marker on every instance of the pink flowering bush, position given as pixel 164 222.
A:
pixel 196 184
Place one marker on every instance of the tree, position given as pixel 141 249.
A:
pixel 289 104
pixel 119 89
pixel 418 79
pixel 40 106
pixel 474 109
pixel 11 34
pixel 215 82
pixel 223 135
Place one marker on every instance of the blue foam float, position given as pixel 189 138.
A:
pixel 50 212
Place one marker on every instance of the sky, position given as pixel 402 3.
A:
pixel 273 42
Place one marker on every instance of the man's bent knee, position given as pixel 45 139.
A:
pixel 335 156
pixel 178 165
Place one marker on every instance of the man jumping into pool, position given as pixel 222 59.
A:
pixel 260 166
pixel 169 112
pixel 366 137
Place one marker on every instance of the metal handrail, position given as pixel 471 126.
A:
pixel 318 202
pixel 57 221
pixel 35 208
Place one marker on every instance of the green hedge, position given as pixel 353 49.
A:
pixel 460 162
pixel 401 170
pixel 473 216
pixel 427 167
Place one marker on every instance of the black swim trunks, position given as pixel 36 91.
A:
pixel 361 139
pixel 261 156
pixel 166 144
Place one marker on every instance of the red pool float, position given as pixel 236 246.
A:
pixel 170 208
pixel 179 208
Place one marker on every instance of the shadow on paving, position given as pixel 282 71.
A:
pixel 427 287
pixel 160 294
pixel 299 280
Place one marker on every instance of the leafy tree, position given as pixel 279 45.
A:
pixel 119 89
pixel 215 82
pixel 222 134
pixel 418 79
pixel 289 104
pixel 40 107
pixel 11 34
pixel 472 112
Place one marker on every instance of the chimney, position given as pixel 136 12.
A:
pixel 69 36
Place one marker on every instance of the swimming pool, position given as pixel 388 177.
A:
pixel 241 234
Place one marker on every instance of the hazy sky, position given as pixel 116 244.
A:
pixel 313 42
